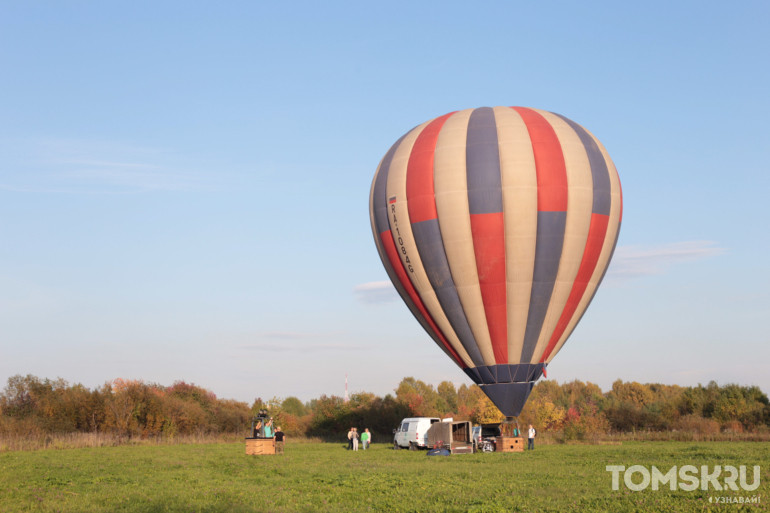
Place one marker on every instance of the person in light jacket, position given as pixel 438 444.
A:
pixel 531 438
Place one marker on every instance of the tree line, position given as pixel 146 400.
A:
pixel 576 410
pixel 131 408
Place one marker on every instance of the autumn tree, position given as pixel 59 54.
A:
pixel 448 397
pixel 294 406
pixel 420 397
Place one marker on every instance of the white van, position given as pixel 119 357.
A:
pixel 413 433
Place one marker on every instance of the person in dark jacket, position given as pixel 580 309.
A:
pixel 279 440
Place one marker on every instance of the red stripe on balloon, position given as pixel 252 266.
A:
pixel 549 162
pixel 489 247
pixel 597 232
pixel 419 173
pixel 395 261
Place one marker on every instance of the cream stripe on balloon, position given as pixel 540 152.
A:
pixel 451 191
pixel 579 206
pixel 403 236
pixel 519 184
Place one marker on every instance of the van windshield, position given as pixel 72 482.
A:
pixel 405 426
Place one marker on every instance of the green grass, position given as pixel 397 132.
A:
pixel 318 477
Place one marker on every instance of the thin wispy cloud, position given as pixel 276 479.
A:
pixel 151 179
pixel 375 292
pixel 636 261
pixel 88 167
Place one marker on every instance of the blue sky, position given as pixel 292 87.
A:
pixel 184 186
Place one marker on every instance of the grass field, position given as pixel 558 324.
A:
pixel 321 477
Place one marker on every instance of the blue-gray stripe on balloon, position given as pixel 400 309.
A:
pixel 382 224
pixel 482 160
pixel 599 171
pixel 549 244
pixel 430 246
pixel 379 199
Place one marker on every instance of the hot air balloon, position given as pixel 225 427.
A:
pixel 496 226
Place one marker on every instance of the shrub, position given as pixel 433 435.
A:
pixel 732 426
pixel 697 424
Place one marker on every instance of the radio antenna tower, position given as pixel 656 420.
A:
pixel 347 397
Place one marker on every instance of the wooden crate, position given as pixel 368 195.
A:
pixel 509 444
pixel 255 446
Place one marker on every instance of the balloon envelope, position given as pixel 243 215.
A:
pixel 496 226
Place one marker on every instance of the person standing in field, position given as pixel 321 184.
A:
pixel 279 439
pixel 350 439
pixel 531 438
pixel 355 439
pixel 364 438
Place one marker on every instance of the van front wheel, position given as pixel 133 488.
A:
pixel 395 446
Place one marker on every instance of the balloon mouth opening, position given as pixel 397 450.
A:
pixel 509 397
